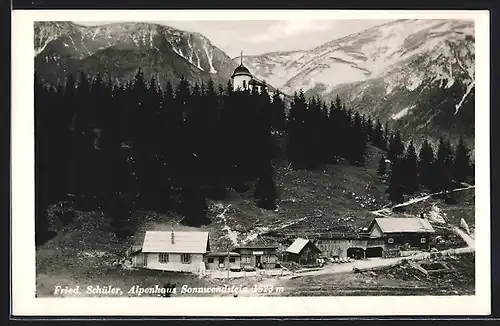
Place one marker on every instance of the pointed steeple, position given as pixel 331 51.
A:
pixel 241 58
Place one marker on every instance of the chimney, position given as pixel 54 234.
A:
pixel 172 236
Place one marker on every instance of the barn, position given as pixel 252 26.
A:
pixel 384 236
pixel 402 232
pixel 302 251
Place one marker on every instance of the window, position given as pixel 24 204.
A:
pixel 267 259
pixel 210 260
pixel 163 258
pixel 246 259
pixel 390 240
pixel 423 240
pixel 186 258
pixel 244 84
pixel 232 260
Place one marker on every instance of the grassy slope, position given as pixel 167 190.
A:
pixel 337 198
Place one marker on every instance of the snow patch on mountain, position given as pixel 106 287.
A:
pixel 401 113
pixel 414 82
pixel 198 62
pixel 467 92
pixel 210 58
pixel 46 42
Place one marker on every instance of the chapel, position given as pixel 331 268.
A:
pixel 243 79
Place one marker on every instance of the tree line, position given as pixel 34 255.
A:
pixel 320 133
pixel 439 171
pixel 122 148
pixel 135 146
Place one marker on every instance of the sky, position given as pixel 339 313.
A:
pixel 258 37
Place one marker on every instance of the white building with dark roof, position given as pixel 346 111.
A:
pixel 243 79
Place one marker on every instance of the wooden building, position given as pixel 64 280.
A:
pixel 264 257
pixel 223 260
pixel 175 251
pixel 349 245
pixel 402 232
pixel 302 251
pixel 384 235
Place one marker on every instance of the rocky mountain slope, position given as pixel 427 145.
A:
pixel 416 74
pixel 118 49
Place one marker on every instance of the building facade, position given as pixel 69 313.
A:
pixel 350 245
pixel 223 261
pixel 402 233
pixel 384 236
pixel 174 251
pixel 262 257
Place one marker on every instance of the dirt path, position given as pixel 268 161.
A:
pixel 265 229
pixel 234 236
pixel 373 263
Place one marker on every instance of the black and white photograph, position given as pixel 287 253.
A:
pixel 187 157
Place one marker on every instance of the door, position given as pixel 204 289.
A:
pixel 145 261
pixel 257 261
pixel 221 262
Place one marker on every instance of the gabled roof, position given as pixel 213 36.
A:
pixel 184 242
pixel 403 224
pixel 297 246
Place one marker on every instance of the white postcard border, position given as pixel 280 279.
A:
pixel 23 245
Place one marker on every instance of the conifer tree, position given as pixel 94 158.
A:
pixel 368 128
pixel 396 183
pixel 296 147
pixel 358 145
pixel 194 207
pixel 377 137
pixel 265 189
pixel 382 167
pixel 410 169
pixel 461 164
pixel 396 146
pixel 312 135
pixel 278 111
pixel 387 136
pixel 444 163
pixel 426 165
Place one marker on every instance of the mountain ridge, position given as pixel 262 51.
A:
pixel 63 46
pixel 387 69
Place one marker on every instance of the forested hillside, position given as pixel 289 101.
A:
pixel 138 147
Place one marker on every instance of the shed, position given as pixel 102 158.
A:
pixel 302 251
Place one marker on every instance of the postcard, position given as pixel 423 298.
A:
pixel 250 163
